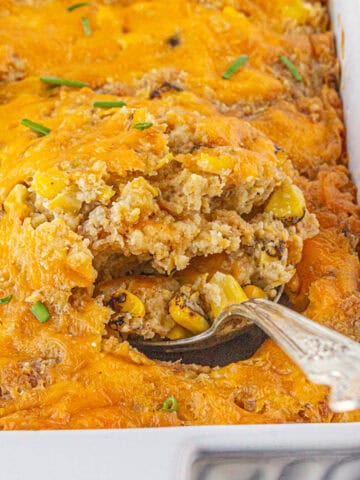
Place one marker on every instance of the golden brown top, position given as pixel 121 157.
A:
pixel 165 60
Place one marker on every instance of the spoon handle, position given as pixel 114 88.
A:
pixel 325 356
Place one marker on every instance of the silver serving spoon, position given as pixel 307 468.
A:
pixel 325 356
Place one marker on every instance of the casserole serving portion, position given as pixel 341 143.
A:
pixel 161 160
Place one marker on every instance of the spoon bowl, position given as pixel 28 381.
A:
pixel 325 356
pixel 227 326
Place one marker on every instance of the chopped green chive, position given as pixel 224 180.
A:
pixel 64 81
pixel 142 125
pixel 291 67
pixel 40 312
pixel 77 5
pixel 86 26
pixel 5 300
pixel 109 104
pixel 234 67
pixel 36 127
pixel 170 405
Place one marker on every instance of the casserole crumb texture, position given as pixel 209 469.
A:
pixel 156 189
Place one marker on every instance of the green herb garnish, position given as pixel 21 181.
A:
pixel 291 67
pixel 5 300
pixel 40 312
pixel 142 125
pixel 170 405
pixel 109 104
pixel 86 26
pixel 64 81
pixel 77 5
pixel 234 67
pixel 36 127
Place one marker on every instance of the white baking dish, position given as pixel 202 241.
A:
pixel 165 454
pixel 346 22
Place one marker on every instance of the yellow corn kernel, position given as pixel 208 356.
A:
pixel 229 292
pixel 129 39
pixel 265 258
pixel 164 161
pixel 178 332
pixel 185 316
pixel 297 10
pixel 212 164
pixel 142 183
pixel 49 184
pixel 282 157
pixel 104 15
pixel 291 272
pixel 252 291
pixel 126 302
pixel 116 323
pixel 16 201
pixel 236 16
pixel 227 10
pixel 139 116
pixel 105 193
pixel 287 203
pixel 65 201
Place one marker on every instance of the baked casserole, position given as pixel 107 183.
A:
pixel 160 160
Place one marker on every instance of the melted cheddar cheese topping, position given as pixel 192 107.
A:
pixel 71 197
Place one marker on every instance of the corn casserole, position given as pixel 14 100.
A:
pixel 159 161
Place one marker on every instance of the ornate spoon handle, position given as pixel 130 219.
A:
pixel 325 356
